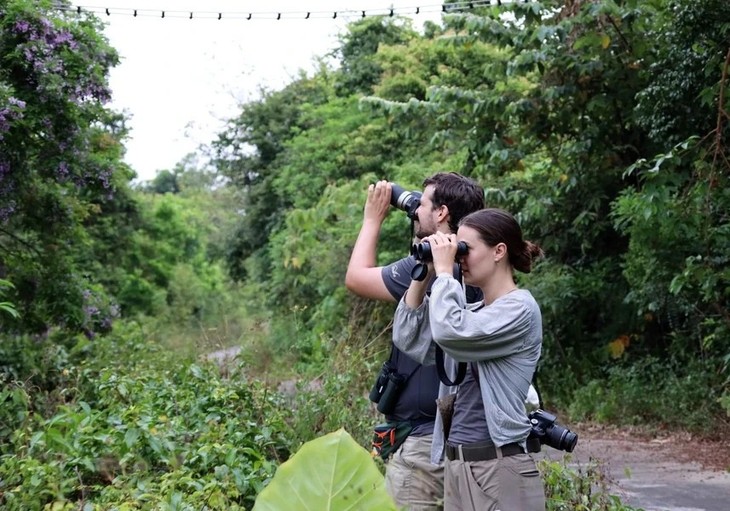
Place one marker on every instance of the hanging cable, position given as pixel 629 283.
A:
pixel 451 7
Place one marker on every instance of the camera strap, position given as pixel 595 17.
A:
pixel 397 356
pixel 460 370
pixel 461 366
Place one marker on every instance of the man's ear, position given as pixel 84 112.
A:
pixel 443 213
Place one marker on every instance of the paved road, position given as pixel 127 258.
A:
pixel 646 475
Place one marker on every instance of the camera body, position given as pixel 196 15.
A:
pixel 406 200
pixel 422 251
pixel 545 429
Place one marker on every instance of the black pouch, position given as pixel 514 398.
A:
pixel 389 436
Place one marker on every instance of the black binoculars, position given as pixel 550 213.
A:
pixel 422 251
pixel 387 388
pixel 403 199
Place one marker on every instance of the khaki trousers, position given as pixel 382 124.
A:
pixel 411 480
pixel 511 483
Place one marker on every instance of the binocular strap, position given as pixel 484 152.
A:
pixel 460 370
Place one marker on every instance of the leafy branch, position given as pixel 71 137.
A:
pixel 722 115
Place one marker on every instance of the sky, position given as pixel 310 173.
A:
pixel 179 78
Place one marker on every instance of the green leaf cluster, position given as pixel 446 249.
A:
pixel 138 433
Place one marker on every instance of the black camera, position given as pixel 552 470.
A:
pixel 548 432
pixel 422 251
pixel 405 200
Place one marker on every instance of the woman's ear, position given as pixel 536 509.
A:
pixel 500 251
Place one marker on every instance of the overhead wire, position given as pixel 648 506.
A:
pixel 283 15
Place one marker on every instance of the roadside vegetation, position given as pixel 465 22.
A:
pixel 602 124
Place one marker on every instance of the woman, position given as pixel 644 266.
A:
pixel 487 464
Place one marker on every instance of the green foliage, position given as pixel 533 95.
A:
pixel 651 391
pixel 680 101
pixel 582 489
pixel 60 159
pixel 360 69
pixel 7 307
pixel 265 126
pixel 14 412
pixel 573 117
pixel 677 260
pixel 336 399
pixel 140 432
pixel 331 472
pixel 173 264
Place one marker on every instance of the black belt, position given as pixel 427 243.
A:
pixel 481 452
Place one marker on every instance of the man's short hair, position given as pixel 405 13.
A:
pixel 461 194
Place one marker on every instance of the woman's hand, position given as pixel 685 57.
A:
pixel 443 250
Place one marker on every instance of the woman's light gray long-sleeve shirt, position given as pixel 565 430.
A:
pixel 504 338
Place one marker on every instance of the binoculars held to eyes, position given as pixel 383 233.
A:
pixel 405 200
pixel 422 251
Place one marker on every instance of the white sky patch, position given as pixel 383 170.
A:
pixel 180 78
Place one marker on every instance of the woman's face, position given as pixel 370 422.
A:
pixel 478 265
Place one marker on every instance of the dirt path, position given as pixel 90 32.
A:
pixel 665 473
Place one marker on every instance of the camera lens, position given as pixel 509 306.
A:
pixel 561 438
pixel 548 432
pixel 568 440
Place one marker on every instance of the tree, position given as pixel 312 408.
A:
pixel 360 69
pixel 60 159
pixel 247 153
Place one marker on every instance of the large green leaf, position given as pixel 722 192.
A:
pixel 330 473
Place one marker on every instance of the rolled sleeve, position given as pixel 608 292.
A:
pixel 412 333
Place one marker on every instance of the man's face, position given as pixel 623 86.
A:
pixel 427 223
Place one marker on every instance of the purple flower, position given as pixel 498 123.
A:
pixel 62 171
pixel 7 211
pixel 4 172
pixel 17 102
pixel 4 122
pixel 22 26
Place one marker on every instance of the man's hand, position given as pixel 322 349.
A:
pixel 377 205
pixel 363 277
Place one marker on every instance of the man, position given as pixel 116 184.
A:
pixel 411 479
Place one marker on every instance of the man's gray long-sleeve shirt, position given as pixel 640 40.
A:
pixel 504 338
